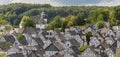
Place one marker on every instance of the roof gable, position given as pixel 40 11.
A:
pixel 52 48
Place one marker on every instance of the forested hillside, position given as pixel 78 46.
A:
pixel 14 12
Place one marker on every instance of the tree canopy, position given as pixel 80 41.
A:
pixel 27 22
pixel 100 24
pixel 83 14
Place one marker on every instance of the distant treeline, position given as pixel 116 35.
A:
pixel 14 12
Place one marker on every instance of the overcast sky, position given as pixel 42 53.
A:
pixel 66 2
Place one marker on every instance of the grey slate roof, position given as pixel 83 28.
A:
pixel 23 41
pixel 74 43
pixel 37 19
pixel 52 47
pixel 114 46
pixel 9 38
pixel 29 30
pixel 16 55
pixel 32 54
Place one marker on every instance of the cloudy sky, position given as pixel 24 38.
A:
pixel 66 2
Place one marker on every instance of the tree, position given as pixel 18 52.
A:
pixel 100 24
pixel 93 16
pixel 56 23
pixel 10 16
pixel 83 48
pixel 3 22
pixel 3 55
pixel 112 14
pixel 104 12
pixel 64 25
pixel 16 22
pixel 27 22
pixel 2 16
pixel 49 27
pixel 71 19
pixel 80 19
pixel 113 22
pixel 117 12
pixel 88 35
pixel 20 37
pixel 100 18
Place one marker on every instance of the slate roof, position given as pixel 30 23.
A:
pixel 16 55
pixel 52 47
pixel 39 47
pixel 37 19
pixel 74 43
pixel 9 38
pixel 72 32
pixel 44 33
pixel 100 47
pixel 114 46
pixel 103 54
pixel 29 30
pixel 23 41
pixel 57 55
pixel 56 43
pixel 61 37
pixel 39 41
pixel 76 50
pixel 32 54
pixel 105 45
pixel 52 39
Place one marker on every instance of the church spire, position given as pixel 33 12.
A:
pixel 42 15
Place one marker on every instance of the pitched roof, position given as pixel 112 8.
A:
pixel 74 42
pixel 76 50
pixel 39 41
pixel 57 55
pixel 104 45
pixel 104 30
pixel 114 46
pixel 29 30
pixel 23 41
pixel 103 54
pixel 35 18
pixel 32 54
pixel 40 51
pixel 9 38
pixel 72 32
pixel 16 55
pixel 52 47
pixel 58 45
pixel 20 30
pixel 44 33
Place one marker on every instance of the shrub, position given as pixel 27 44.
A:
pixel 20 37
pixel 3 55
pixel 83 48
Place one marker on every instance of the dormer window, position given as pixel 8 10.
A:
pixel 67 45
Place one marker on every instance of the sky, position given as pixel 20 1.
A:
pixel 66 2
